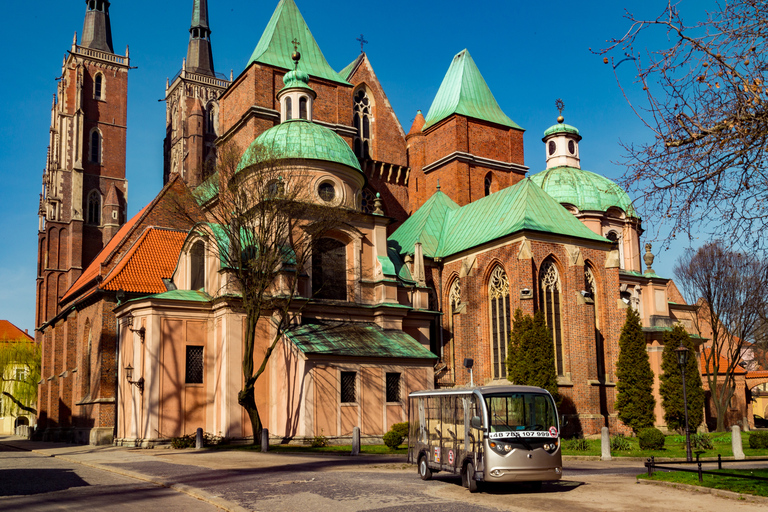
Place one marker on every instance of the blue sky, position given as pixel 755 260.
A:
pixel 530 53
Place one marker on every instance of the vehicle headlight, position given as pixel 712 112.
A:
pixel 500 447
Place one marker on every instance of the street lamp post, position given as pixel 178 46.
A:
pixel 682 360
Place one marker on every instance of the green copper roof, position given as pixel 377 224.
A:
pixel 585 190
pixel 561 128
pixel 425 225
pixel 523 206
pixel 185 295
pixel 344 73
pixel 299 138
pixel 275 47
pixel 465 92
pixel 207 189
pixel 200 13
pixel 294 79
pixel 356 340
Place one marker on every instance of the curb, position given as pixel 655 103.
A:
pixel 182 488
pixel 707 490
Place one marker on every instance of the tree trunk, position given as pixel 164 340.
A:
pixel 247 400
pixel 246 397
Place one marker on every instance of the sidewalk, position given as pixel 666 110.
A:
pixel 170 468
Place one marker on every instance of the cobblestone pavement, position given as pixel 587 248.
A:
pixel 245 480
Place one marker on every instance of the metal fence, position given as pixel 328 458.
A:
pixel 652 466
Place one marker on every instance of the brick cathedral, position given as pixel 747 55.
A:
pixel 452 233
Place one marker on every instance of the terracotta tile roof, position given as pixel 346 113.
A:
pixel 722 365
pixel 9 332
pixel 757 374
pixel 151 258
pixel 94 269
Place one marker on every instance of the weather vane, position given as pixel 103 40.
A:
pixel 362 42
pixel 560 106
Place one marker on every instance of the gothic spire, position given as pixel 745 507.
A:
pixel 199 53
pixel 97 31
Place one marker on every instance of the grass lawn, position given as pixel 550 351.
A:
pixel 674 447
pixel 727 483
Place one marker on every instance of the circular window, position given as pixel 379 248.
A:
pixel 327 192
pixel 368 201
pixel 552 147
pixel 571 147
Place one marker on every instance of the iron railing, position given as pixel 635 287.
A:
pixel 652 466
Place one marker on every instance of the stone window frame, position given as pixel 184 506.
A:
pixel 197 250
pixel 363 112
pixel 190 375
pixel 212 118
pixel 100 89
pixel 551 303
pixel 348 387
pixel 96 146
pixel 591 285
pixel 498 290
pixel 93 208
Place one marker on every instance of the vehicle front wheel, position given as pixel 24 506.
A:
pixel 469 476
pixel 424 472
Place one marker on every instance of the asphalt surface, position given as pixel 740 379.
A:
pixel 111 478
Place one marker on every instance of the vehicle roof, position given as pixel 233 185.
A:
pixel 483 390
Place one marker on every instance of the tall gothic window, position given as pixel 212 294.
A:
pixel 94 208
pixel 454 301
pixel 591 287
pixel 329 270
pixel 488 183
pixel 210 119
pixel 498 299
pixel 549 283
pixel 197 266
pixel 98 86
pixel 362 123
pixel 96 147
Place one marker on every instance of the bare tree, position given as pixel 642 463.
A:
pixel 729 288
pixel 705 96
pixel 263 225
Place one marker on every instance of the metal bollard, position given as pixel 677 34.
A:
pixel 719 462
pixel 356 441
pixel 264 440
pixel 199 439
pixel 605 444
pixel 701 476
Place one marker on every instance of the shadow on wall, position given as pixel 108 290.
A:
pixel 572 427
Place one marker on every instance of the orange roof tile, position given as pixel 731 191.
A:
pixel 151 258
pixel 94 269
pixel 9 332
pixel 722 365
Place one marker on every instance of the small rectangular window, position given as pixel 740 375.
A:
pixel 194 365
pixel 348 391
pixel 393 387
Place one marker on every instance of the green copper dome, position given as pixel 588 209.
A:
pixel 301 139
pixel 561 128
pixel 585 190
pixel 296 78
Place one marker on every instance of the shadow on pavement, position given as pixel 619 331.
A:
pixel 511 488
pixel 17 482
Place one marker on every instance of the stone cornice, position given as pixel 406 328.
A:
pixel 469 158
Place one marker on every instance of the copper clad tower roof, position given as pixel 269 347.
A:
pixel 97 31
pixel 199 53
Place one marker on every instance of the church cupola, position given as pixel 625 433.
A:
pixel 97 31
pixel 562 143
pixel 296 97
pixel 199 53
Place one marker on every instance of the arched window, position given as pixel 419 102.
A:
pixel 210 119
pixel 94 208
pixel 488 183
pixel 288 108
pixel 303 107
pixel 98 85
pixel 85 365
pixel 329 270
pixel 549 284
pixel 197 266
pixel 590 286
pixel 362 123
pixel 95 147
pixel 498 302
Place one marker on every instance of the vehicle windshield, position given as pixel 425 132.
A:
pixel 531 413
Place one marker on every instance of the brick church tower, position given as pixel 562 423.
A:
pixel 192 109
pixel 83 201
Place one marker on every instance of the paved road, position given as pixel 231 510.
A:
pixel 245 480
pixel 35 482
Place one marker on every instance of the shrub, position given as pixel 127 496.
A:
pixel 651 439
pixel 701 442
pixel 190 440
pixel 401 428
pixel 393 439
pixel 758 440
pixel 319 441
pixel 576 445
pixel 620 443
pixel 185 441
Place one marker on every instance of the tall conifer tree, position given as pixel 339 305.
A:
pixel 531 354
pixel 671 387
pixel 635 401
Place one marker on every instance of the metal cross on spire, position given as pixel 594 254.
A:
pixel 295 44
pixel 362 42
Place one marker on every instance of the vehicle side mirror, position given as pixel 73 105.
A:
pixel 563 422
pixel 476 422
